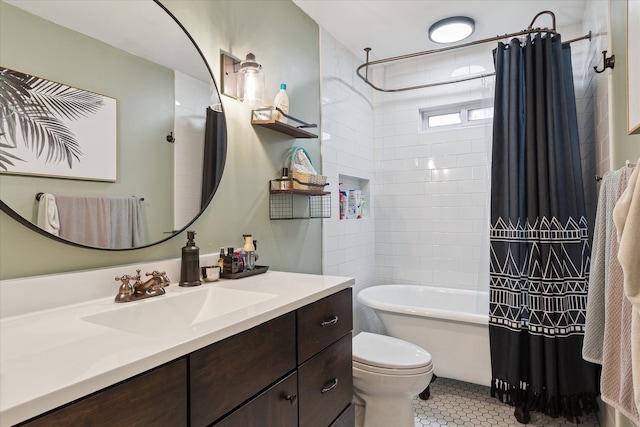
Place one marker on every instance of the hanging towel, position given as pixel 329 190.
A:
pixel 617 366
pixel 626 216
pixel 127 225
pixel 48 218
pixel 85 220
pixel 599 269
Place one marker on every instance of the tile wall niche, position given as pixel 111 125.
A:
pixel 348 246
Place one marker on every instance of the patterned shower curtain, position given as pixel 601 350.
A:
pixel 539 235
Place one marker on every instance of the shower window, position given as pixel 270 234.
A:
pixel 460 115
pixel 479 114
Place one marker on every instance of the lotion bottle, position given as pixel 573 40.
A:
pixel 281 101
pixel 190 267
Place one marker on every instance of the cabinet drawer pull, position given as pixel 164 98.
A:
pixel 334 383
pixel 332 321
pixel 292 398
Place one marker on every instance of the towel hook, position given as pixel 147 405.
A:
pixel 609 62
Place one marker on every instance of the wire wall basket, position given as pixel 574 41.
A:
pixel 297 204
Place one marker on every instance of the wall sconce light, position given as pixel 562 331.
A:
pixel 243 80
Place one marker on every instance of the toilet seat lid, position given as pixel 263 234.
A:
pixel 388 352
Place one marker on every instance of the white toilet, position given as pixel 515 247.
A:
pixel 388 373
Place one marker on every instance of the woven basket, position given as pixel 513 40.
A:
pixel 313 183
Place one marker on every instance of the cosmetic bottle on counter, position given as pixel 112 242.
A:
pixel 230 262
pixel 221 259
pixel 190 267
pixel 255 254
pixel 250 252
pixel 240 256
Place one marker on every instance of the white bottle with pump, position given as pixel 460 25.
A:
pixel 281 101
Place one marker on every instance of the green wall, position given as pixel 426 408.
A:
pixel 285 41
pixel 623 146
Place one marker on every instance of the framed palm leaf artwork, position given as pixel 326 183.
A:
pixel 53 130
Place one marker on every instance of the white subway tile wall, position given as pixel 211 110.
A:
pixel 431 188
pixel 347 149
pixel 593 102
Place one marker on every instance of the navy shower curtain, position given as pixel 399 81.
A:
pixel 539 235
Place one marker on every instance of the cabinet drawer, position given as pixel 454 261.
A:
pixel 228 373
pixel 275 407
pixel 347 418
pixel 323 322
pixel 325 384
pixel 154 398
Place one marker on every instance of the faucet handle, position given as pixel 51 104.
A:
pixel 155 273
pixel 162 275
pixel 125 292
pixel 124 279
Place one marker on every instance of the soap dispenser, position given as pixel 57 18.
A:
pixel 190 269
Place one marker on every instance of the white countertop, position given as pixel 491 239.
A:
pixel 52 356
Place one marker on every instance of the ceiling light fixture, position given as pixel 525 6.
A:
pixel 453 29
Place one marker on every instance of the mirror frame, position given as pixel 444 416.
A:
pixel 13 214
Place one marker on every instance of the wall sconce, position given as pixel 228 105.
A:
pixel 243 80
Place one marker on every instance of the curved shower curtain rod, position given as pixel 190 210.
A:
pixel 529 30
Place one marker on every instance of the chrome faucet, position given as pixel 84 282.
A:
pixel 140 290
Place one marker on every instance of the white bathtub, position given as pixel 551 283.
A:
pixel 451 324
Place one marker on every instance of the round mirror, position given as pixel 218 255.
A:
pixel 112 134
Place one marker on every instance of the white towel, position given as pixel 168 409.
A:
pixel 48 218
pixel 626 216
pixel 616 380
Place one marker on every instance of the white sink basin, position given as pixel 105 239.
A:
pixel 176 311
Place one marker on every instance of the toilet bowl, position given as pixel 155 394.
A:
pixel 388 373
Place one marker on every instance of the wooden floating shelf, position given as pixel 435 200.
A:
pixel 265 117
pixel 284 128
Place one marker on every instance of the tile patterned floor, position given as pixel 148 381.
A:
pixel 459 404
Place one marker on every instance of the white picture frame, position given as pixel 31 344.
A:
pixel 56 131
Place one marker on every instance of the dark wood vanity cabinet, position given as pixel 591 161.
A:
pixel 275 407
pixel 294 370
pixel 233 370
pixel 324 357
pixel 154 398
pixel 321 336
pixel 325 384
